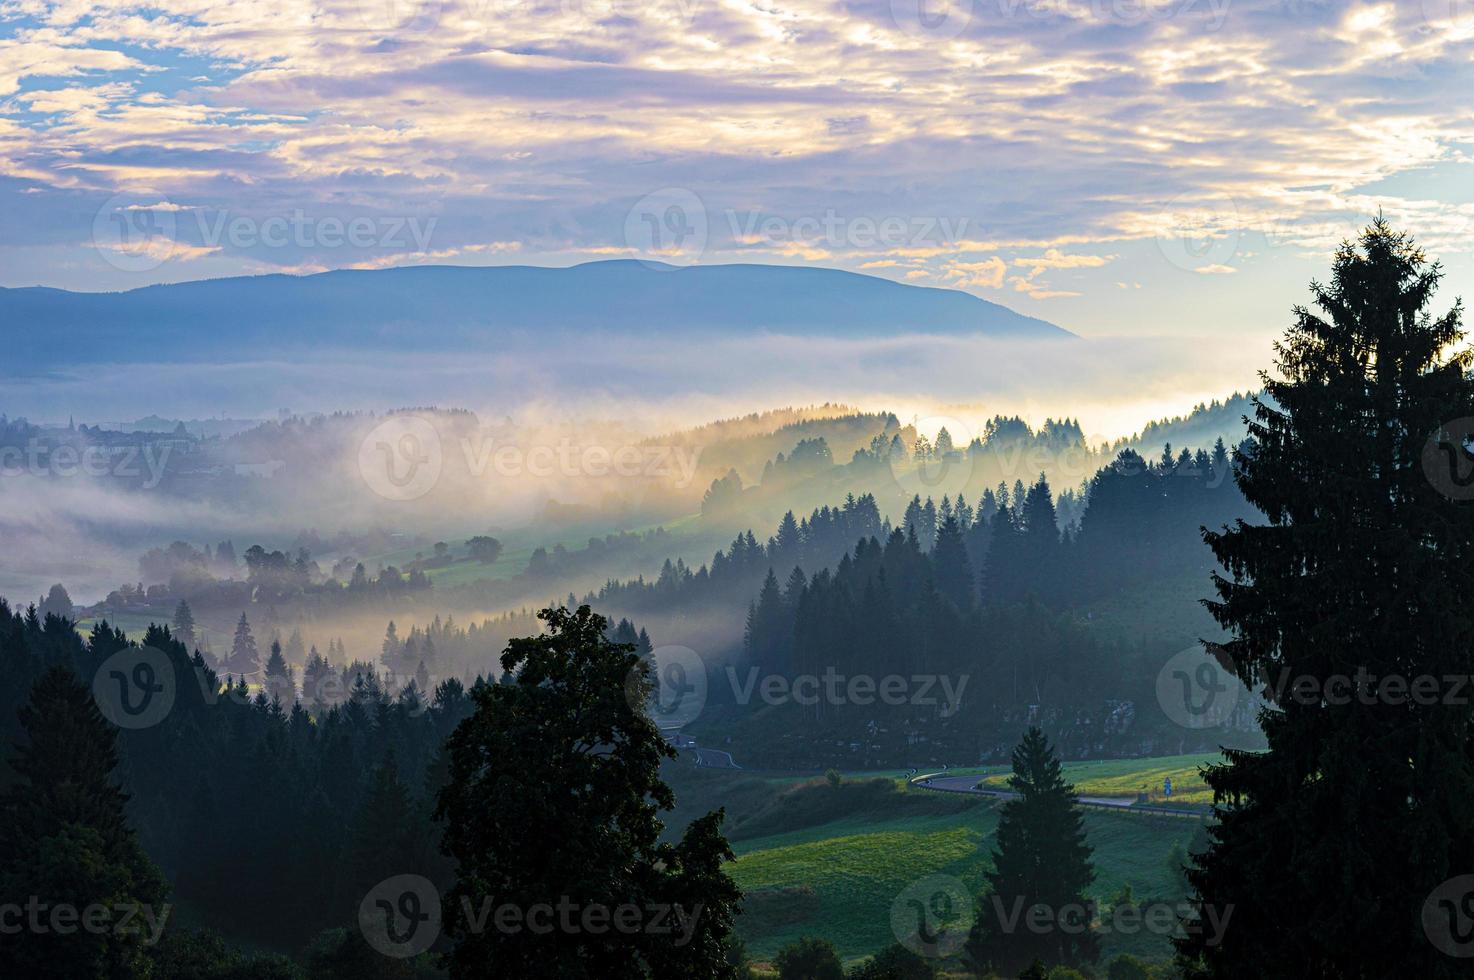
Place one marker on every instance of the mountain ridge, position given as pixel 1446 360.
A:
pixel 444 307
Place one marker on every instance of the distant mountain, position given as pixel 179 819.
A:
pixel 453 308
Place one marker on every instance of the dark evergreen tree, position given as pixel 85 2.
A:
pixel 385 838
pixel 65 841
pixel 281 684
pixel 184 625
pixel 1041 860
pixel 244 659
pixel 1330 843
pixel 953 569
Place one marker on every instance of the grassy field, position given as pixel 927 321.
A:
pixel 1127 777
pixel 813 859
pixel 839 880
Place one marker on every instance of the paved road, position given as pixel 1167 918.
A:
pixel 714 759
pixel 943 783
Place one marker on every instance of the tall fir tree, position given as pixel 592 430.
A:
pixel 1041 861
pixel 954 575
pixel 65 842
pixel 184 625
pixel 281 682
pixel 384 841
pixel 1329 844
pixel 244 660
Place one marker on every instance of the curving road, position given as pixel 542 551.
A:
pixel 943 783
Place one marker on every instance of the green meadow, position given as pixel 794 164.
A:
pixel 819 859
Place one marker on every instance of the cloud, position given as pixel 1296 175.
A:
pixel 545 122
pixel 1055 259
pixel 987 274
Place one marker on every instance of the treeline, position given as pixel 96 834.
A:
pixel 1138 521
pixel 992 589
pixel 272 814
pixel 269 823
pixel 734 572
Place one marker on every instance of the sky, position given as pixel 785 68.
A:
pixel 1124 168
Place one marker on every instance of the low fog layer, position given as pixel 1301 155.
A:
pixel 1112 385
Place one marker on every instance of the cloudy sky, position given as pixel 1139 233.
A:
pixel 1121 167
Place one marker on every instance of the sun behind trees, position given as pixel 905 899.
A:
pixel 553 804
pixel 1350 609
